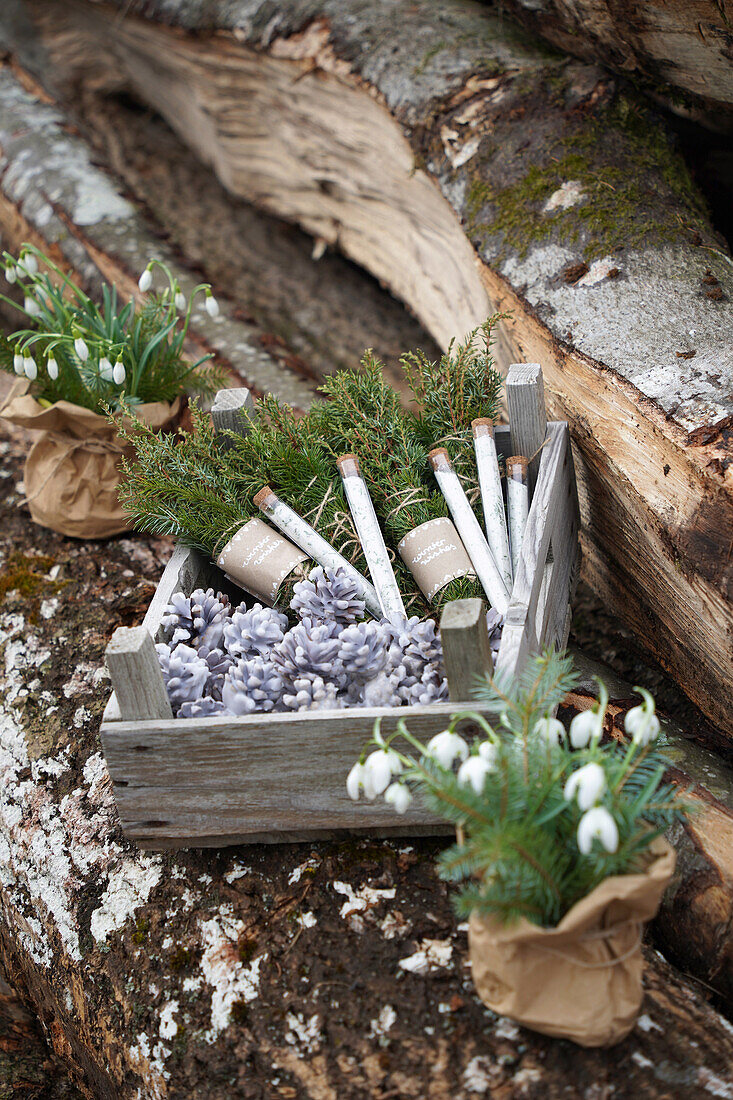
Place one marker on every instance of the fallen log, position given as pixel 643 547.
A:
pixel 325 972
pixel 678 51
pixel 468 170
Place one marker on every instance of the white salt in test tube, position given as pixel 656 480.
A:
pixel 315 546
pixel 492 497
pixel 470 531
pixel 370 536
pixel 517 504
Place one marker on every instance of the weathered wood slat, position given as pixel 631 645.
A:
pixel 231 411
pixel 135 672
pixel 525 398
pixel 466 650
pixel 551 493
pixel 262 776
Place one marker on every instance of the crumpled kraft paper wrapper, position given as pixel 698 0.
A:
pixel 582 979
pixel 72 471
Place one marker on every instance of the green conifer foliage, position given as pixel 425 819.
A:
pixel 199 491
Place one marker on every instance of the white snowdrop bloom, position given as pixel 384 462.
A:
pixel 81 349
pixel 212 306
pixel 30 263
pixel 586 727
pixel 473 772
pixel 355 781
pixel 399 796
pixel 641 723
pixel 53 369
pixel 597 824
pixel 105 368
pixel 180 301
pixel 10 273
pixel 587 784
pixel 118 373
pixel 379 768
pixel 18 366
pixel 29 368
pixel 551 729
pixel 446 747
pixel 488 751
pixel 146 280
pixel 31 306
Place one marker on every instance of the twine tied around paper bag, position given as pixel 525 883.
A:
pixel 598 934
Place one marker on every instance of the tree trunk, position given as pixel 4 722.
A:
pixel 469 171
pixel 678 50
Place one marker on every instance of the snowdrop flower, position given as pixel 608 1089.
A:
pixel 487 750
pixel 146 279
pixel 473 772
pixel 355 781
pixel 379 768
pixel 31 306
pixel 105 369
pixel 180 301
pixel 29 368
pixel 588 784
pixel 586 727
pixel 81 349
pixel 118 373
pixel 10 273
pixel 399 796
pixel 53 369
pixel 212 306
pixel 551 729
pixel 597 824
pixel 641 722
pixel 18 365
pixel 29 262
pixel 446 747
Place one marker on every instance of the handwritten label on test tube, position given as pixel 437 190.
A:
pixel 315 546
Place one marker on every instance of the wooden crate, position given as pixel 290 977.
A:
pixel 281 777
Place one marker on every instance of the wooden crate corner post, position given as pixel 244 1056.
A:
pixel 525 397
pixel 466 649
pixel 232 411
pixel 136 675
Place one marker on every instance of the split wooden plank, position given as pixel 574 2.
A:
pixel 136 675
pixel 466 650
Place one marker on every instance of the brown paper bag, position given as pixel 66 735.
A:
pixel 582 979
pixel 72 471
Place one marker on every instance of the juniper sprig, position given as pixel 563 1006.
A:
pixel 194 488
